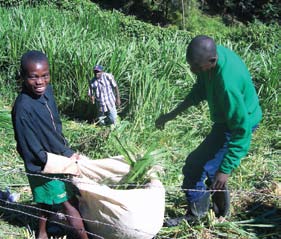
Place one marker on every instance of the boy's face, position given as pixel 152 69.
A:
pixel 37 77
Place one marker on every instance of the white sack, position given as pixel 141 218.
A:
pixel 111 213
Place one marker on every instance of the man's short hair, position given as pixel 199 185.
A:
pixel 201 49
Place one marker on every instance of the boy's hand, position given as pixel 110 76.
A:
pixel 75 156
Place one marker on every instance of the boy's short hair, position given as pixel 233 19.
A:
pixel 31 56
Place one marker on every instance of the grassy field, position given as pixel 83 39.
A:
pixel 149 65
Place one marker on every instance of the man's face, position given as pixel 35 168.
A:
pixel 37 77
pixel 198 67
pixel 98 74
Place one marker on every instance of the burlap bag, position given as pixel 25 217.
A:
pixel 108 212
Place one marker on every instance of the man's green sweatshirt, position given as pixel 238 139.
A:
pixel 232 100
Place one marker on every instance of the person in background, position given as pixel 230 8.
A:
pixel 103 91
pixel 38 130
pixel 224 81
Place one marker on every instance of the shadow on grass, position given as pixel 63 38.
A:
pixel 257 215
pixel 81 110
pixel 261 218
pixel 21 215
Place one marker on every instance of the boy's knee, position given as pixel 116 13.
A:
pixel 67 205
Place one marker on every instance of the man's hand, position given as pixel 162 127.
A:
pixel 93 99
pixel 161 121
pixel 220 181
pixel 118 102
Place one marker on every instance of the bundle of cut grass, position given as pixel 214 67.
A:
pixel 141 164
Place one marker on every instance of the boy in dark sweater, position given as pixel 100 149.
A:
pixel 38 130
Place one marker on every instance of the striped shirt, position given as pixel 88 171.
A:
pixel 102 89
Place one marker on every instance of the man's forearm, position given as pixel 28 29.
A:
pixel 163 119
pixel 180 108
pixel 117 95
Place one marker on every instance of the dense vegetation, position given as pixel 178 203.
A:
pixel 149 65
pixel 178 12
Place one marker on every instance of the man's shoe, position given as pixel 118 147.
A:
pixel 200 207
pixel 221 203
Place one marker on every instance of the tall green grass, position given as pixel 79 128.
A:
pixel 74 42
pixel 150 70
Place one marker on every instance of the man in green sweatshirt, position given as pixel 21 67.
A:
pixel 224 81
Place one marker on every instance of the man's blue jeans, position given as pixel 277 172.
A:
pixel 202 164
pixel 109 117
